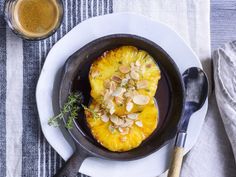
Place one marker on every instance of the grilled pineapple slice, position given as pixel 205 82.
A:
pixel 120 74
pixel 115 138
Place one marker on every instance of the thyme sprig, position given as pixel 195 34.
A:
pixel 71 107
pixel 94 114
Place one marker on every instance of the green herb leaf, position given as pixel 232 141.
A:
pixel 71 107
pixel 95 115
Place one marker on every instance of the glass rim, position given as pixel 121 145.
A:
pixel 25 37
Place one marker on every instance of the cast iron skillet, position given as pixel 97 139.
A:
pixel 169 96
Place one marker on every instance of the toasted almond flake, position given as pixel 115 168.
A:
pixel 133 116
pixel 142 84
pixel 139 123
pixel 124 69
pixel 128 94
pixel 119 91
pixel 131 82
pixel 104 118
pixel 125 131
pixel 132 88
pixel 95 73
pixel 128 99
pixel 132 64
pixel 111 128
pixel 134 75
pixel 107 96
pixel 96 108
pixel 112 110
pixel 116 120
pixel 116 79
pixel 124 81
pixel 104 53
pixel 143 69
pixel 123 139
pixel 137 63
pixel 127 123
pixel 112 86
pixel 141 99
pixel 107 84
pixel 129 106
pixel 149 65
pixel 127 76
pixel 109 104
pixel 120 130
pixel 119 100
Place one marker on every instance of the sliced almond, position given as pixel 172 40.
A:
pixel 107 96
pixel 127 76
pixel 107 84
pixel 133 116
pixel 112 110
pixel 134 75
pixel 119 91
pixel 123 139
pixel 96 108
pixel 128 94
pixel 139 123
pixel 109 104
pixel 128 99
pixel 123 131
pixel 120 130
pixel 131 82
pixel 112 86
pixel 94 74
pixel 127 123
pixel 119 100
pixel 124 69
pixel 116 79
pixel 129 106
pixel 116 120
pixel 137 63
pixel 104 118
pixel 149 65
pixel 132 65
pixel 124 81
pixel 142 84
pixel 141 99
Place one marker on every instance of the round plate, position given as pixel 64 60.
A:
pixel 48 84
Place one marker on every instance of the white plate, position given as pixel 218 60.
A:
pixel 47 89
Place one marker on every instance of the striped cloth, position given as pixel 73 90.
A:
pixel 23 148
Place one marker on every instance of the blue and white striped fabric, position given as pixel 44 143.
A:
pixel 23 148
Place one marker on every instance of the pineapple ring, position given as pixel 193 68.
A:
pixel 118 63
pixel 113 139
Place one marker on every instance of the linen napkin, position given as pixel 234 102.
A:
pixel 215 152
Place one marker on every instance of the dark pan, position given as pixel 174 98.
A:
pixel 169 95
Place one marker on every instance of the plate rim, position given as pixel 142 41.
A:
pixel 89 21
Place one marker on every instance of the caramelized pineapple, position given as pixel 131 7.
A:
pixel 124 80
pixel 121 133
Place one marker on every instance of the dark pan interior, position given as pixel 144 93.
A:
pixel 169 95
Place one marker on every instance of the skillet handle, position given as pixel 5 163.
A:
pixel 71 167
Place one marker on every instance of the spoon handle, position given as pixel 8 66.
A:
pixel 176 162
pixel 178 154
